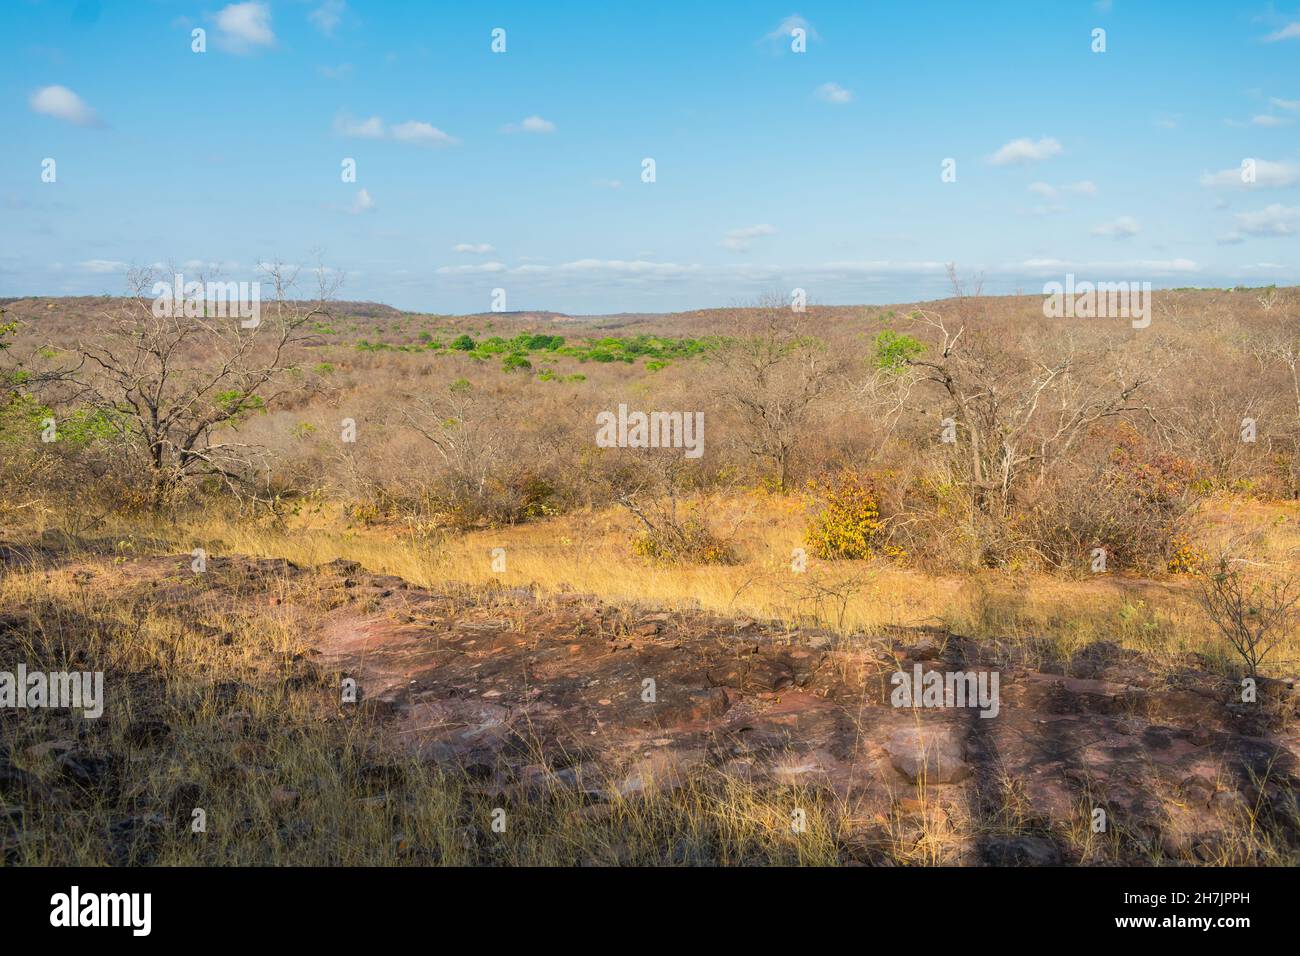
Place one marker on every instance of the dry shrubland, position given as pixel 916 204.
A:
pixel 990 436
pixel 1044 485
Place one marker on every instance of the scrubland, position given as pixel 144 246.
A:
pixel 965 467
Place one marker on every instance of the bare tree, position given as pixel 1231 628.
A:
pixel 675 530
pixel 471 441
pixel 1017 417
pixel 774 373
pixel 173 386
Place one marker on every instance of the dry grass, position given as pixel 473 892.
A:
pixel 286 777
pixel 1047 616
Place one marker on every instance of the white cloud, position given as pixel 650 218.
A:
pixel 739 240
pixel 103 266
pixel 1122 228
pixel 1272 220
pixel 834 93
pixel 1289 105
pixel 640 272
pixel 610 183
pixel 477 248
pixel 1082 188
pixel 1230 239
pixel 532 124
pixel 1020 151
pixel 1268 120
pixel 476 268
pixel 372 128
pixel 1056 267
pixel 61 103
pixel 327 16
pixel 340 72
pixel 1267 175
pixel 781 35
pixel 1289 32
pixel 414 131
pixel 243 27
pixel 205 265
pixel 363 202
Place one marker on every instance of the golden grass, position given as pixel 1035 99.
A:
pixel 589 552
pixel 285 778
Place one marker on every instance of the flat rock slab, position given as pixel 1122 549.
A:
pixel 529 695
pixel 928 754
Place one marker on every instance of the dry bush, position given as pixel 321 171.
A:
pixel 773 374
pixel 1255 608
pixel 1130 501
pixel 673 531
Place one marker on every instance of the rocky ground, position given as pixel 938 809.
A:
pixel 528 696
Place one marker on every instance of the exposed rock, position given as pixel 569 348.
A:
pixel 50 748
pixel 148 730
pixel 84 769
pixel 1020 851
pixel 927 755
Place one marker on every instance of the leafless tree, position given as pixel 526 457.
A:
pixel 173 387
pixel 465 429
pixel 1017 416
pixel 774 372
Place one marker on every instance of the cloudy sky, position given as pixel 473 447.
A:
pixel 773 169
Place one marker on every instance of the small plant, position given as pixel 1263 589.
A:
pixel 848 523
pixel 515 361
pixel 1254 611
pixel 895 350
pixel 675 538
pixel 1185 558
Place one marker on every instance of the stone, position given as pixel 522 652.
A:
pixel 1020 851
pixel 284 798
pixel 50 748
pixel 928 755
pixel 148 730
pixel 84 769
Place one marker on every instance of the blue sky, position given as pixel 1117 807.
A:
pixel 774 169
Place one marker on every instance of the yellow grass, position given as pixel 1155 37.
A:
pixel 285 786
pixel 589 552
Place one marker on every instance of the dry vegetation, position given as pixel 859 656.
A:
pixel 826 497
